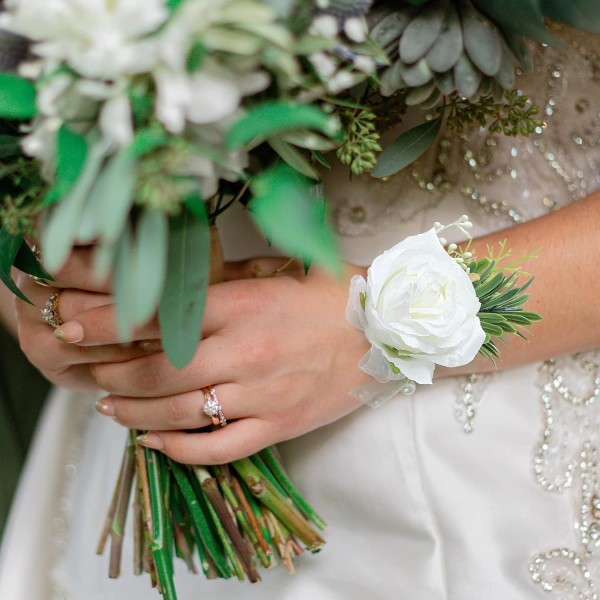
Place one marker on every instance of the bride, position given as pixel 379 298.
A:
pixel 482 485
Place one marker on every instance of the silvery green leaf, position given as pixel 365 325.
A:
pixel 518 46
pixel 184 294
pixel 506 73
pixel 62 227
pixel 227 40
pixel 391 79
pixel 149 263
pixel 419 94
pixel 123 290
pixel 485 87
pixel 115 185
pixel 421 33
pixel 293 157
pixel 466 77
pixel 390 28
pixel 283 8
pixel 407 148
pixel 417 74
pixel 448 46
pixel 345 9
pixel 497 91
pixel 445 82
pixel 481 39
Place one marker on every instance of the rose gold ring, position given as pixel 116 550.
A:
pixel 212 407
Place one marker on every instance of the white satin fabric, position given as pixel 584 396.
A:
pixel 417 509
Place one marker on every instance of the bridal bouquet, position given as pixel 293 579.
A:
pixel 133 124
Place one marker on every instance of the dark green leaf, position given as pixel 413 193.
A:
pixel 17 97
pixel 27 262
pixel 184 295
pixel 406 149
pixel 582 14
pixel 148 139
pixel 71 154
pixel 9 146
pixel 284 207
pixel 9 246
pixel 275 117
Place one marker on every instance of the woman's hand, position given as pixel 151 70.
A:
pixel 278 351
pixel 63 364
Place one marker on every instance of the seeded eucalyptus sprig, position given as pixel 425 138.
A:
pixel 360 143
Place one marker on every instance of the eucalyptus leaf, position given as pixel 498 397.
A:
pixel 293 157
pixel 407 148
pixel 9 247
pixel 184 294
pixel 149 263
pixel 270 118
pixel 123 291
pixel 17 97
pixel 71 154
pixel 285 209
pixel 62 227
pixel 115 185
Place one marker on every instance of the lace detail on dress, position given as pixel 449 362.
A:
pixel 567 459
pixel 469 399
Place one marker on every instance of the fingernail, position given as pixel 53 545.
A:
pixel 151 440
pixel 106 406
pixel 150 345
pixel 70 332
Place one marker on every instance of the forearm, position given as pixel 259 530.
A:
pixel 566 287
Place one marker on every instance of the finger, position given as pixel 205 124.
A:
pixel 215 362
pixel 263 266
pixel 98 326
pixel 236 440
pixel 180 411
pixel 80 272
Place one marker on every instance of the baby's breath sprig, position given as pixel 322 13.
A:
pixel 360 139
pixel 513 115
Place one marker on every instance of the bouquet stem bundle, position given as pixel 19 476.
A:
pixel 235 516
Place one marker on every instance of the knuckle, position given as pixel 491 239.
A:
pixel 218 453
pixel 101 374
pixel 177 411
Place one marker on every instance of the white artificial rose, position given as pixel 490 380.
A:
pixel 418 308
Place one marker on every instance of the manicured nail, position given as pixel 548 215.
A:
pixel 150 345
pixel 151 440
pixel 106 406
pixel 70 332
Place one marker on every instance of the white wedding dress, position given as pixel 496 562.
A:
pixel 482 487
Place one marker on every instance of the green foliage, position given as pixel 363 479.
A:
pixel 271 118
pixel 502 300
pixel 407 148
pixel 184 294
pixel 9 247
pixel 17 97
pixel 513 116
pixel 285 209
pixel 360 137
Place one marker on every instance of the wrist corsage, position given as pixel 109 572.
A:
pixel 424 305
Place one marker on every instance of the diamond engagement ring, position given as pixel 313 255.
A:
pixel 212 407
pixel 50 311
pixel 39 280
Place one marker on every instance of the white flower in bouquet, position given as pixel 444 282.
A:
pixel 98 39
pixel 417 308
